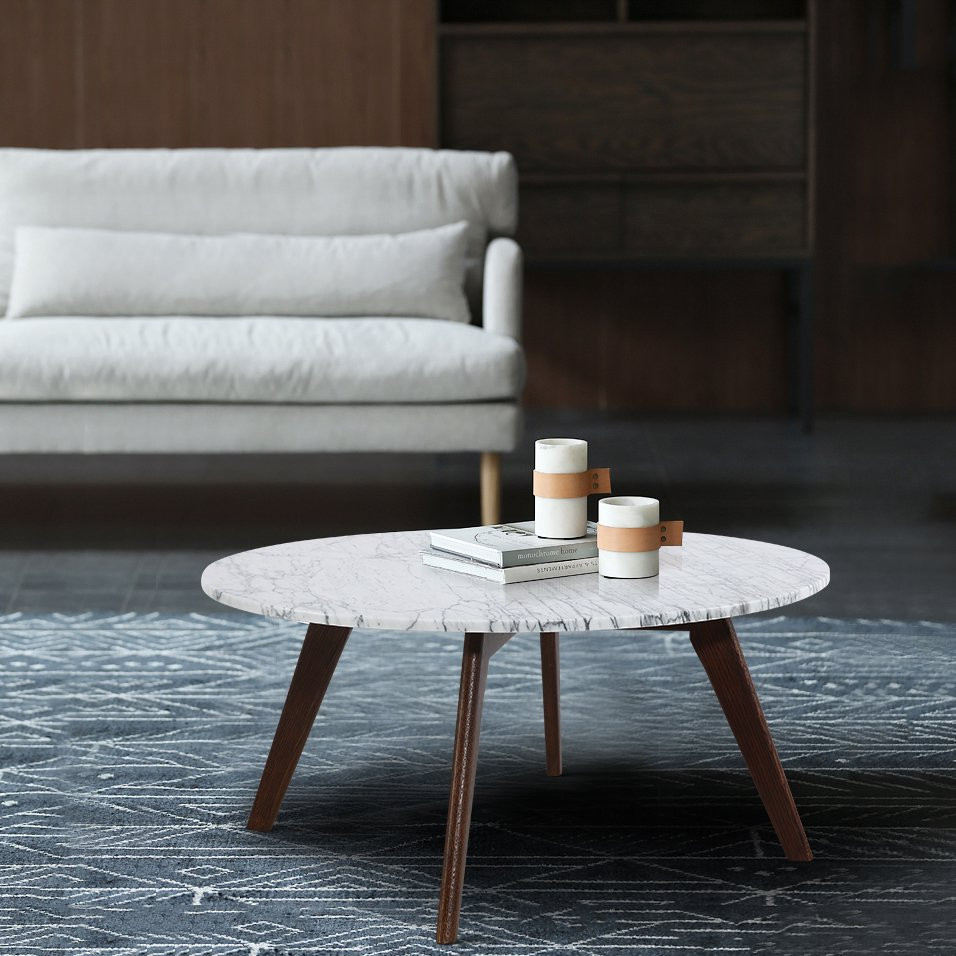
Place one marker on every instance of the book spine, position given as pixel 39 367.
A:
pixel 552 569
pixel 532 572
pixel 561 552
pixel 474 569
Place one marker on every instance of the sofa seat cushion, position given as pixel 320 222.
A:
pixel 258 359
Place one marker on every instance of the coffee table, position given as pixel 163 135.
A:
pixel 378 581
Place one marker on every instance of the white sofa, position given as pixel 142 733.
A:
pixel 116 382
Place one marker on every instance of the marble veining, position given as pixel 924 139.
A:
pixel 378 581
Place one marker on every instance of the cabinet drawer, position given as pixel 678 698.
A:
pixel 765 219
pixel 565 221
pixel 636 220
pixel 635 101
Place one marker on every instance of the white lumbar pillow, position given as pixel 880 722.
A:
pixel 61 271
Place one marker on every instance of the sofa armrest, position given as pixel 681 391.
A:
pixel 501 301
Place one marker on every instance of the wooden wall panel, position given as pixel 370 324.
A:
pixel 135 74
pixel 114 73
pixel 38 72
pixel 886 340
pixel 416 80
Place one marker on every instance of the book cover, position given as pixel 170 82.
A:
pixel 513 545
pixel 528 572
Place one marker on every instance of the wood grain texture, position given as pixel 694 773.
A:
pixel 585 331
pixel 551 691
pixel 885 184
pixel 415 79
pixel 40 100
pixel 188 73
pixel 320 653
pixel 634 217
pixel 716 219
pixel 628 102
pixel 571 220
pixel 641 141
pixel 478 649
pixel 719 651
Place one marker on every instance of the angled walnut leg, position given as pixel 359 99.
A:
pixel 471 692
pixel 719 651
pixel 320 653
pixel 551 689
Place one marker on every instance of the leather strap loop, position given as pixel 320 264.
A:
pixel 665 534
pixel 594 481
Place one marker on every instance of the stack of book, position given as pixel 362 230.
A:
pixel 507 553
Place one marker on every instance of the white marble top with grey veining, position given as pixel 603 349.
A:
pixel 379 581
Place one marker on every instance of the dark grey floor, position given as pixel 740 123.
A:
pixel 875 498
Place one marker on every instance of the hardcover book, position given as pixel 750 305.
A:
pixel 527 572
pixel 513 545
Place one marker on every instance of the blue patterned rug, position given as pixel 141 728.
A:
pixel 132 745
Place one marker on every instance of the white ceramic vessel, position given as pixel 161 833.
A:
pixel 560 517
pixel 629 512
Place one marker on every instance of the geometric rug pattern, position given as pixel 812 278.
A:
pixel 132 744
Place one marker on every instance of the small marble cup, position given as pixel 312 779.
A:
pixel 560 517
pixel 627 512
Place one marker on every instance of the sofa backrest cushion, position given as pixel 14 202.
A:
pixel 61 271
pixel 277 191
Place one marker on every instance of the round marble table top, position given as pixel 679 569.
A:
pixel 379 581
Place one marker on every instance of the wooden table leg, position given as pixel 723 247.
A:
pixel 719 651
pixel 320 653
pixel 471 692
pixel 551 689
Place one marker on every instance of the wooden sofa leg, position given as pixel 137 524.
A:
pixel 490 487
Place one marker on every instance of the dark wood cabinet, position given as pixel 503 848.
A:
pixel 642 138
pixel 647 135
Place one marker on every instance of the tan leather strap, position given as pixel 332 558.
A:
pixel 665 534
pixel 594 481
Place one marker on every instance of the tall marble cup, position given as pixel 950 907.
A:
pixel 378 581
pixel 560 517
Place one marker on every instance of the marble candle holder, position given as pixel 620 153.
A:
pixel 629 512
pixel 562 483
pixel 560 517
